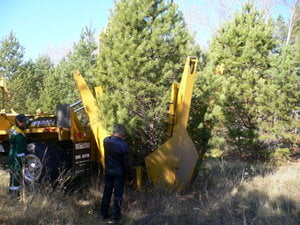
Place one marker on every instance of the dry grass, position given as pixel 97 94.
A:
pixel 226 192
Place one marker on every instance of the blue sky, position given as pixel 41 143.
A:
pixel 52 26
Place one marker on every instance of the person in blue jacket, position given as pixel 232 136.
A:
pixel 18 147
pixel 117 167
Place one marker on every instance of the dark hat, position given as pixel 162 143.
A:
pixel 21 118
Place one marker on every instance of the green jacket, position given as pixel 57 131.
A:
pixel 18 147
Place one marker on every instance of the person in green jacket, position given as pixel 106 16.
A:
pixel 18 147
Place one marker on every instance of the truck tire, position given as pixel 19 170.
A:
pixel 44 163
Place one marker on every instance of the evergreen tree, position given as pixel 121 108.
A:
pixel 60 87
pixel 141 52
pixel 244 46
pixel 84 55
pixel 28 84
pixel 53 91
pixel 19 87
pixel 281 30
pixel 206 112
pixel 43 68
pixel 11 56
pixel 286 80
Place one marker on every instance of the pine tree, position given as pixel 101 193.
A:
pixel 19 87
pixel 281 30
pixel 286 80
pixel 59 86
pixel 141 52
pixel 54 91
pixel 244 46
pixel 28 84
pixel 206 112
pixel 11 56
pixel 84 55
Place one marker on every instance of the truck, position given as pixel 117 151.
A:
pixel 59 141
pixel 56 142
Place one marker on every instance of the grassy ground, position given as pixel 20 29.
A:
pixel 226 192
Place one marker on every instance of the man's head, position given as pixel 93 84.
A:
pixel 119 130
pixel 21 121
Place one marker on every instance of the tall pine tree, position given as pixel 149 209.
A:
pixel 11 56
pixel 28 84
pixel 141 52
pixel 244 46
pixel 59 86
pixel 286 80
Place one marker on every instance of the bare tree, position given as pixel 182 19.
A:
pixel 292 22
pixel 268 5
pixel 204 17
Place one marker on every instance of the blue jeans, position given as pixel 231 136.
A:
pixel 116 184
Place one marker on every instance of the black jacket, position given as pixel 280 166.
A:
pixel 117 161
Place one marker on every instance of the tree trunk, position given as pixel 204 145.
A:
pixel 291 24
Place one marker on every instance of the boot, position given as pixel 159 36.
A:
pixel 14 193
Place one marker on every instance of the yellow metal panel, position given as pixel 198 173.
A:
pixel 75 125
pixel 64 133
pixel 139 177
pixel 220 69
pixel 185 93
pixel 93 112
pixel 173 163
pixel 3 84
pixel 4 123
pixel 172 109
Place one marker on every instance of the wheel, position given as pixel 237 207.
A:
pixel 33 168
pixel 44 163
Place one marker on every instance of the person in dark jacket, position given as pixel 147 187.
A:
pixel 18 147
pixel 117 167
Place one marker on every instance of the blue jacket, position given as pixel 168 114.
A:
pixel 117 160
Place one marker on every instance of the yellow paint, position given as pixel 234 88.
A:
pixel 139 177
pixel 93 112
pixel 4 123
pixel 75 125
pixel 172 109
pixel 3 84
pixel 173 163
pixel 220 69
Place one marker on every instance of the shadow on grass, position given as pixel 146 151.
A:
pixel 216 197
pixel 233 211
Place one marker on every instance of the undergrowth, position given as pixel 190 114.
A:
pixel 225 192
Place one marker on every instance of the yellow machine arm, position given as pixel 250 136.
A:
pixel 3 92
pixel 173 163
pixel 93 112
pixel 4 123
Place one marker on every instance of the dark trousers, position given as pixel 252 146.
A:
pixel 116 184
pixel 15 179
pixel 15 170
